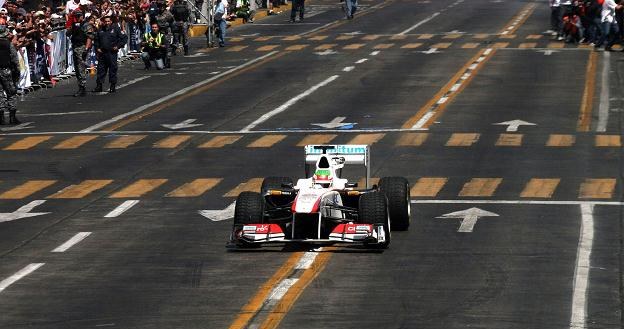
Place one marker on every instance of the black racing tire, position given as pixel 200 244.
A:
pixel 274 183
pixel 249 209
pixel 397 191
pixel 373 209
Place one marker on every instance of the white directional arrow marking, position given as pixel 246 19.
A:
pixel 23 212
pixel 335 123
pixel 219 215
pixel 514 124
pixel 547 52
pixel 469 218
pixel 431 51
pixel 184 124
pixel 326 52
pixel 20 126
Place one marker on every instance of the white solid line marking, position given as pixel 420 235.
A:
pixel 131 82
pixel 20 274
pixel 521 202
pixel 375 53
pixel 288 104
pixel 349 68
pixel 581 271
pixel 361 61
pixel 306 260
pixel 423 120
pixel 420 23
pixel 176 94
pixel 58 114
pixel 122 208
pixel 603 108
pixel 71 242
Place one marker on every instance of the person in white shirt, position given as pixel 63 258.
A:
pixel 610 29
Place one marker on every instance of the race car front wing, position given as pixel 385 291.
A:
pixel 349 233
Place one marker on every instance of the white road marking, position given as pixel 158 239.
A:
pixel 603 108
pixel 521 202
pixel 25 125
pixel 58 114
pixel 122 208
pixel 361 61
pixel 581 271
pixel 348 68
pixel 20 274
pixel 513 125
pixel 182 125
pixel 71 242
pixel 468 218
pixel 175 94
pixel 288 104
pixel 306 260
pixel 282 288
pixel 375 53
pixel 413 27
pixel 518 20
pixel 23 212
pixel 219 215
pixel 123 85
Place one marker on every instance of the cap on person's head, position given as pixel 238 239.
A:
pixel 40 13
pixel 3 11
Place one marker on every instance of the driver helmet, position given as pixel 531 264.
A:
pixel 323 177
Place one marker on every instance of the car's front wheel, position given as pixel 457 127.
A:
pixel 373 209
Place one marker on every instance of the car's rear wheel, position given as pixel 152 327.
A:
pixel 397 191
pixel 373 209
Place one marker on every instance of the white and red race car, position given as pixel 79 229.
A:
pixel 323 208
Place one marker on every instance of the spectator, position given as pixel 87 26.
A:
pixel 609 24
pixel 219 18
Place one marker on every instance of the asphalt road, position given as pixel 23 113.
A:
pixel 100 197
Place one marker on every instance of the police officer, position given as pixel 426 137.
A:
pixel 181 15
pixel 9 76
pixel 165 21
pixel 82 34
pixel 108 40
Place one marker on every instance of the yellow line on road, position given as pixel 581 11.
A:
pixel 519 19
pixel 81 190
pixel 255 303
pixel 171 142
pixel 509 140
pixel 480 187
pixel 138 188
pixel 124 141
pixel 597 188
pixel 463 139
pixel 26 189
pixel 27 143
pixel 584 120
pixel 267 141
pixel 194 188
pixel 428 186
pixel 540 188
pixel 73 142
pixel 560 140
pixel 608 141
pixel 412 139
pixel 316 139
pixel 367 139
pixel 221 141
pixel 252 185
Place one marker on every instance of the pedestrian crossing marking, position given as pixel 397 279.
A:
pixel 267 141
pixel 411 45
pixel 361 183
pixel 124 141
pixel 319 38
pixel 526 45
pixel 252 185
pixel 236 39
pixel 316 139
pixel 367 139
pixel 608 141
pixel 412 139
pixel 195 188
pixel 172 142
pixel 296 47
pixel 265 38
pixel 291 38
pixel 80 190
pixel 236 48
pixel 500 45
pixel 441 45
pixel 425 36
pixel 27 143
pixel 509 140
pixel 480 187
pixel 371 37
pixel 470 45
pixel 462 139
pixel 481 36
pixel 138 188
pixel 326 46
pixel 221 141
pixel 452 36
pixel 555 45
pixel 354 46
pixel 534 36
pixel 593 188
pixel 345 37
pixel 26 189
pixel 267 48
pixel 507 36
pixel 428 186
pixel 73 142
pixel 384 46
pixel 560 140
pixel 540 188
pixel 398 37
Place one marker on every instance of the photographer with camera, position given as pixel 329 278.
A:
pixel 155 47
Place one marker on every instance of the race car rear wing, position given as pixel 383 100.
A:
pixel 352 154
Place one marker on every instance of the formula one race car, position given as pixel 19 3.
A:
pixel 323 208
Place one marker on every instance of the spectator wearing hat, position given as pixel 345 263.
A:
pixel 9 74
pixel 81 34
pixel 108 40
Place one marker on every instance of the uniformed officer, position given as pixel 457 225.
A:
pixel 165 21
pixel 9 76
pixel 82 34
pixel 181 16
pixel 108 40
